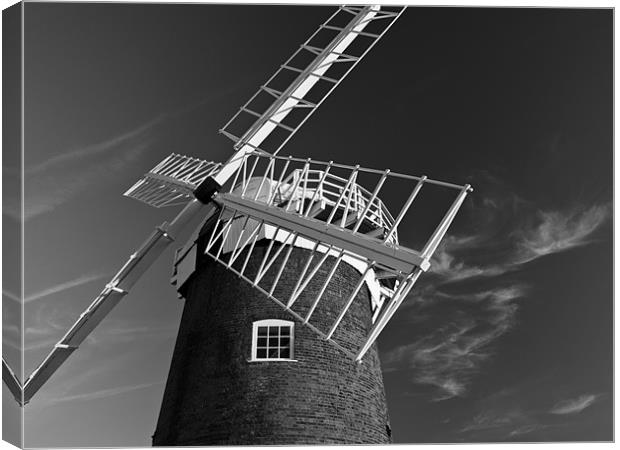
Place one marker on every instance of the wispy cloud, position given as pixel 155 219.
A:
pixel 534 234
pixel 574 405
pixel 556 231
pixel 514 414
pixel 116 338
pixel 458 322
pixel 509 414
pixel 510 424
pixel 450 269
pixel 11 295
pixel 493 419
pixel 46 322
pixel 53 182
pixel 93 150
pixel 509 231
pixel 45 333
pixel 103 393
pixel 121 330
pixel 64 286
pixel 61 178
pixel 458 334
pixel 44 327
pixel 527 429
pixel 85 382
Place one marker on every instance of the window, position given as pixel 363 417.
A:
pixel 272 340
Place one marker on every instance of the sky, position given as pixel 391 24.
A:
pixel 509 338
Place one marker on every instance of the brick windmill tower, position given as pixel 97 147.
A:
pixel 294 271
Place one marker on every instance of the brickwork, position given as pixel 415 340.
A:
pixel 215 395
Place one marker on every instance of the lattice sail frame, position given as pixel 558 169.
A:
pixel 320 66
pixel 172 181
pixel 302 204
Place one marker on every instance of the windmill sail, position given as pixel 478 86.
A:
pixel 172 181
pixel 281 106
pixel 324 208
pixel 302 203
pixel 289 202
pixel 178 179
pixel 113 292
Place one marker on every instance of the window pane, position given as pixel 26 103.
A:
pixel 273 341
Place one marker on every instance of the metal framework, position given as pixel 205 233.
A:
pixel 291 106
pixel 172 181
pixel 291 200
pixel 297 200
pixel 113 292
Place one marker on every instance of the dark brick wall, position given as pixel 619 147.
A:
pixel 214 395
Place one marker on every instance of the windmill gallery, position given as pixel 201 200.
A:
pixel 293 273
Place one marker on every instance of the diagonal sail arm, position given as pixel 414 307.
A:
pixel 178 178
pixel 320 207
pixel 114 291
pixel 297 94
pixel 12 382
pixel 172 181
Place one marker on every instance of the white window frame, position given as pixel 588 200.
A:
pixel 272 323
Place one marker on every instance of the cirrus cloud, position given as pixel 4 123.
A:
pixel 574 405
pixel 458 323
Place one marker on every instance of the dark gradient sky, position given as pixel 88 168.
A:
pixel 510 337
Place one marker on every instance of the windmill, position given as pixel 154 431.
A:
pixel 269 219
